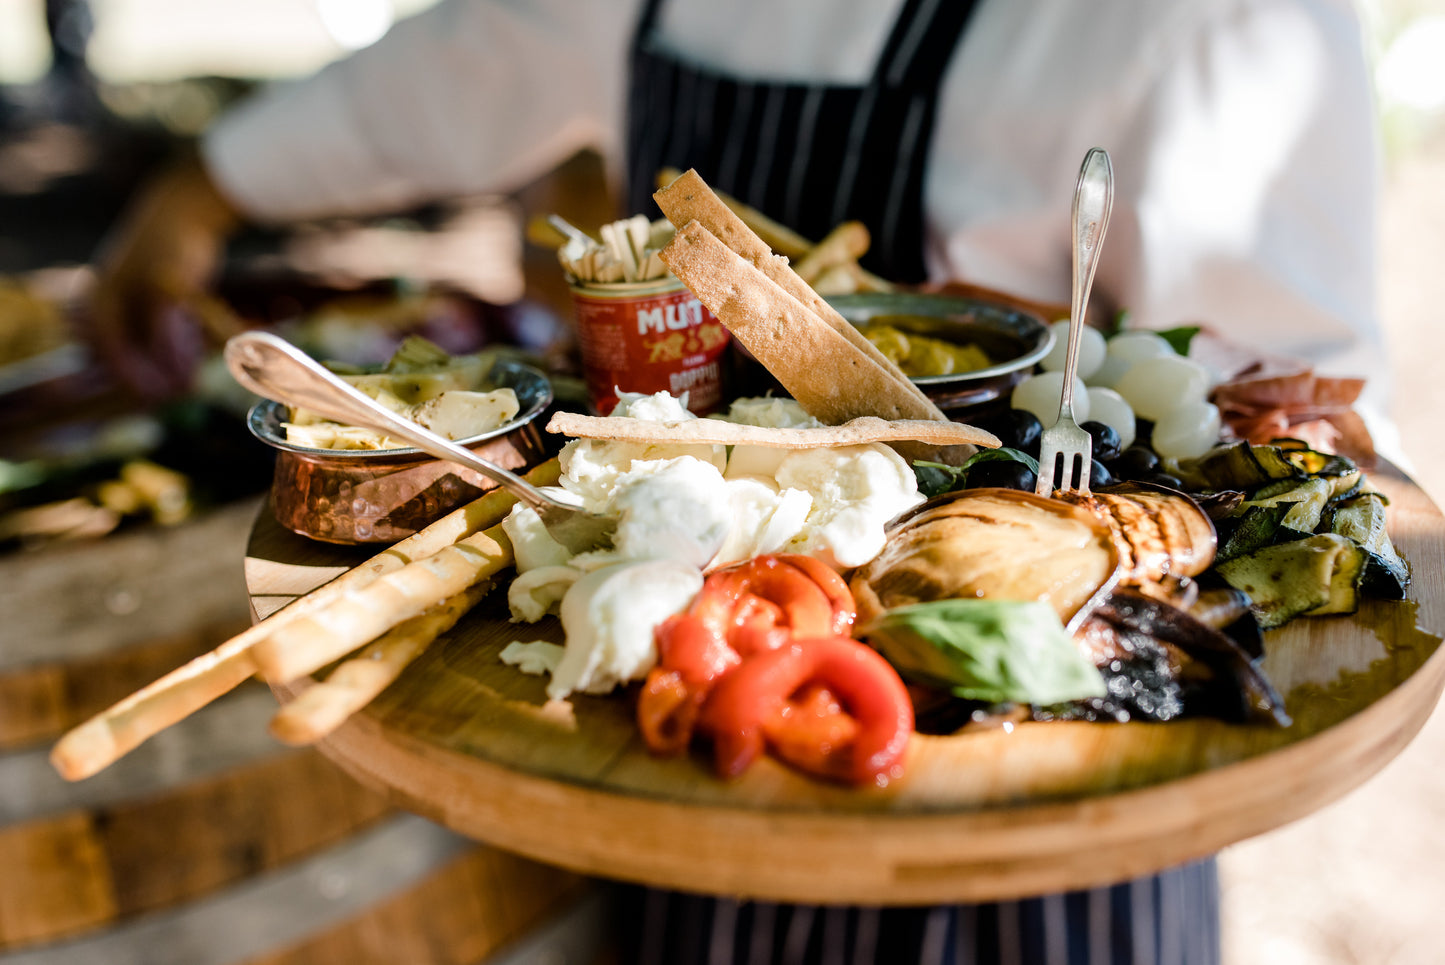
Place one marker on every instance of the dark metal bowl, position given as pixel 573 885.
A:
pixel 383 495
pixel 1016 339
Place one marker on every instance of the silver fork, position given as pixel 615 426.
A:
pixel 1064 448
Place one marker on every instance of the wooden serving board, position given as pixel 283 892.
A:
pixel 980 815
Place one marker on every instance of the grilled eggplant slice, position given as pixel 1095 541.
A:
pixel 1187 666
pixel 1162 536
pixel 1001 544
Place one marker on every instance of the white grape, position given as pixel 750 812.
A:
pixel 1156 386
pixel 1108 374
pixel 1139 345
pixel 1091 350
pixel 1187 431
pixel 1040 395
pixel 1109 407
pixel 1123 350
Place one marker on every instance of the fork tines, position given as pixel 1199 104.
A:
pixel 1065 459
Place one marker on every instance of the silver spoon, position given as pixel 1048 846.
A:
pixel 276 369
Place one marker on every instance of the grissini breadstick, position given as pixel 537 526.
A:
pixel 690 199
pixel 866 281
pixel 780 238
pixel 116 731
pixel 321 709
pixel 777 237
pixel 837 280
pixel 855 432
pixel 354 618
pixel 845 243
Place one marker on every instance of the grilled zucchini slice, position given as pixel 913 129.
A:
pixel 1361 519
pixel 1318 575
pixel 1307 499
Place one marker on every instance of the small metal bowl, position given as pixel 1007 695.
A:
pixel 1018 340
pixel 382 495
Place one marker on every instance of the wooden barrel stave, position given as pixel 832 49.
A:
pixel 230 733
pixel 41 701
pixel 68 603
pixel 483 904
pixel 210 843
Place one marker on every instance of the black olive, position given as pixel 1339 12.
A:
pixel 1016 429
pixel 1105 440
pixel 1134 462
pixel 1143 432
pixel 1099 475
pixel 1003 473
pixel 1162 479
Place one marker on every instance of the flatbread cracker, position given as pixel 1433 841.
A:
pixel 814 363
pixel 690 199
pixel 855 432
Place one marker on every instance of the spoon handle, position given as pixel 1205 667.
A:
pixel 1093 200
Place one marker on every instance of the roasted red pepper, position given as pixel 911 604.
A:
pixel 762 657
pixel 667 711
pixel 845 611
pixel 766 700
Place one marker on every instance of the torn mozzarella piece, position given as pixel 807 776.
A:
pixel 679 510
pixel 535 657
pixel 764 518
pixel 769 413
pixel 537 592
pixel 856 490
pixel 532 545
pixel 609 617
pixel 593 468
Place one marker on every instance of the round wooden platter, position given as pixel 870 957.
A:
pixel 980 815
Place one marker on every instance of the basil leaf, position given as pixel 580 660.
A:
pixel 935 478
pixel 1179 338
pixel 990 650
pixel 1003 453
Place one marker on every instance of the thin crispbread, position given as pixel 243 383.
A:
pixel 689 198
pixel 856 432
pixel 814 362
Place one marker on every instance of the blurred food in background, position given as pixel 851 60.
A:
pixel 94 98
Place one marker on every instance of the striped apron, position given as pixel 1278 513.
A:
pixel 812 156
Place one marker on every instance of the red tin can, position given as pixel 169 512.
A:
pixel 648 337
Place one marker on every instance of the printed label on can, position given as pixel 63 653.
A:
pixel 645 339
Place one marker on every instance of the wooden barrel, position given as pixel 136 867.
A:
pixel 212 844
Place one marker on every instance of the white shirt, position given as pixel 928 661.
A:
pixel 1241 133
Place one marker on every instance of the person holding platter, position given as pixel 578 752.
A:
pixel 1242 138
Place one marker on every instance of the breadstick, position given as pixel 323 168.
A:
pixel 356 682
pixel 838 280
pixel 355 618
pixel 845 243
pixel 116 731
pixel 866 281
pixel 690 199
pixel 855 432
pixel 779 238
